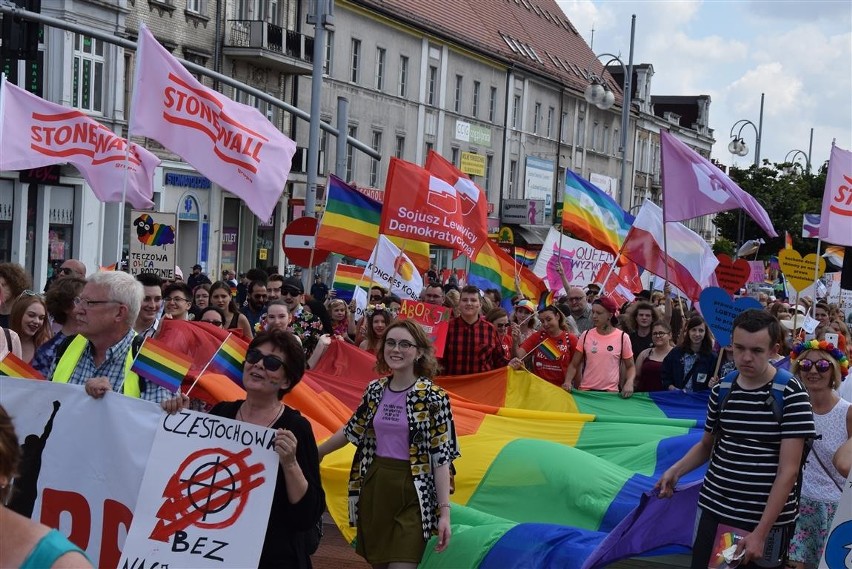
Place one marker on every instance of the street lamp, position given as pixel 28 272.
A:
pixel 791 156
pixel 599 94
pixel 740 148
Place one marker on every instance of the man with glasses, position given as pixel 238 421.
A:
pixel 152 305
pixel 100 355
pixel 293 294
pixel 473 345
pixel 580 309
pixel 68 268
pixel 177 300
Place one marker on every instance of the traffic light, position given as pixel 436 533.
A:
pixel 20 37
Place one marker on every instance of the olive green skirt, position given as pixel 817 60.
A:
pixel 389 523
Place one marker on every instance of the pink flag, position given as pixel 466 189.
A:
pixel 473 199
pixel 693 186
pixel 230 143
pixel 690 260
pixel 36 133
pixel 836 220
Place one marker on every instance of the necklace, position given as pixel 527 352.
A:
pixel 242 418
pixel 402 390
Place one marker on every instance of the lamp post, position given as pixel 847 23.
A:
pixel 791 156
pixel 599 94
pixel 740 148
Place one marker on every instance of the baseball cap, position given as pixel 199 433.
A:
pixel 526 305
pixel 196 267
pixel 607 303
pixel 294 284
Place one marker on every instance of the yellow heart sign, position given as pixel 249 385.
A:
pixel 798 271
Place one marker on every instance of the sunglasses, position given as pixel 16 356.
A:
pixel 271 363
pixel 32 293
pixel 64 271
pixel 822 366
pixel 214 322
pixel 290 292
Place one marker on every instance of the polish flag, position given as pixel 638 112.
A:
pixel 36 133
pixel 690 263
pixel 230 143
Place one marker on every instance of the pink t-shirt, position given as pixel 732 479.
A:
pixel 391 425
pixel 603 355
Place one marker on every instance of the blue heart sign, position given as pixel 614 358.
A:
pixel 719 311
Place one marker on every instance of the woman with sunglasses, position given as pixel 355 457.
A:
pixel 212 315
pixel 399 483
pixel 500 319
pixel 274 365
pixel 549 349
pixel 221 298
pixel 820 367
pixel 29 320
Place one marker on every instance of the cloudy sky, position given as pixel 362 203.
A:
pixel 798 53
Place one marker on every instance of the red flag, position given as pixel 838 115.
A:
pixel 426 208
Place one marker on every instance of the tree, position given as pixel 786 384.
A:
pixel 786 193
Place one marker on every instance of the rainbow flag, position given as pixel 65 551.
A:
pixel 346 278
pixel 493 268
pixel 229 359
pixel 13 366
pixel 593 216
pixel 350 226
pixel 550 349
pixel 158 363
pixel 525 257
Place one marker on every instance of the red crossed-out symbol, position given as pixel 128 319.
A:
pixel 209 490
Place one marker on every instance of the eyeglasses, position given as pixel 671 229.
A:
pixel 506 325
pixel 290 292
pixel 214 322
pixel 390 344
pixel 271 363
pixel 64 271
pixel 657 334
pixel 86 303
pixel 822 365
pixel 175 299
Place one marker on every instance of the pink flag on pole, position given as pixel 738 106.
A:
pixel 230 143
pixel 836 220
pixel 693 186
pixel 36 133
pixel 690 260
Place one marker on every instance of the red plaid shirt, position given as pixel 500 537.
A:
pixel 472 348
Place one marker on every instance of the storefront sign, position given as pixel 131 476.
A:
pixel 538 183
pixel 188 208
pixel 187 181
pixel 473 134
pixel 473 164
pixel 43 175
pixel 152 247
pixel 606 183
pixel 230 240
pixel 529 212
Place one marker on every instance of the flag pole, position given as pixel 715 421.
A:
pixel 612 265
pixel 213 357
pixel 816 266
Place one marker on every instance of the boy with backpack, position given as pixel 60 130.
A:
pixel 758 420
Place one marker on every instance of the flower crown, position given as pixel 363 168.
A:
pixel 822 345
pixel 371 308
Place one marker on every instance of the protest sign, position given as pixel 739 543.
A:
pixel 732 275
pixel 580 261
pixel 152 250
pixel 205 494
pixel 434 319
pixel 800 272
pixel 719 311
pixel 92 453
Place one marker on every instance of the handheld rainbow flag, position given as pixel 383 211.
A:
pixel 550 349
pixel 525 257
pixel 593 216
pixel 229 359
pixel 13 366
pixel 493 268
pixel 346 279
pixel 158 363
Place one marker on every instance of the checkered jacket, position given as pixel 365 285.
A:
pixel 432 443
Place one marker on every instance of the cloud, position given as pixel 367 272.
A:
pixel 813 10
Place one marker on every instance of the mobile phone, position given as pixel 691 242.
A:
pixel 831 338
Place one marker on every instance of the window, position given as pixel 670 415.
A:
pixel 400 146
pixel 475 107
pixel 458 96
pixel 513 177
pixel 455 156
pixel 594 142
pixel 350 155
pixel 492 105
pixel 429 147
pixel 88 82
pixel 374 164
pixel 616 142
pixel 432 85
pixel 380 68
pixel 329 50
pixel 549 130
pixel 355 74
pixel 516 111
pixel 403 76
pixel 606 144
pixel 195 6
pixel 489 164
pixel 563 135
pixel 536 118
pixel 581 131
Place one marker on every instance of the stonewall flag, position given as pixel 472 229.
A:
pixel 13 366
pixel 346 280
pixel 350 226
pixel 495 269
pixel 158 363
pixel 593 216
pixel 229 358
pixel 836 226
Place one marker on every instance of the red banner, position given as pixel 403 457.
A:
pixel 435 320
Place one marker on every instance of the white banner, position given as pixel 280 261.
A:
pixel 391 267
pixel 580 261
pixel 82 461
pixel 205 496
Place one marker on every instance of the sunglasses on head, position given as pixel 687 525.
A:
pixel 822 365
pixel 271 363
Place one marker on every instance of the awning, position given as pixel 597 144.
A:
pixel 530 234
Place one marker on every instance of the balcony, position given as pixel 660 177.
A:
pixel 284 50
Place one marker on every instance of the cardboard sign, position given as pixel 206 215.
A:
pixel 152 250
pixel 719 311
pixel 732 275
pixel 434 319
pixel 800 272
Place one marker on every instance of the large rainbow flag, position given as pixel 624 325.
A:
pixel 593 216
pixel 493 268
pixel 350 226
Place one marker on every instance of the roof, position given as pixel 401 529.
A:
pixel 686 106
pixel 533 35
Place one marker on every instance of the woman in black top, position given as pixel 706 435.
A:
pixel 690 365
pixel 275 363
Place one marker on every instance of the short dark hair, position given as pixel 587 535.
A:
pixel 755 320
pixel 59 299
pixel 256 275
pixel 215 309
pixel 470 289
pixel 256 283
pixel 178 286
pixel 149 279
pixel 294 355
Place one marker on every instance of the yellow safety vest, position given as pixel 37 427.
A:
pixel 69 360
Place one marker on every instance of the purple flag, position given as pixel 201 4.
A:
pixel 656 522
pixel 693 186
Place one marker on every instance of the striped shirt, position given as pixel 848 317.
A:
pixel 745 458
